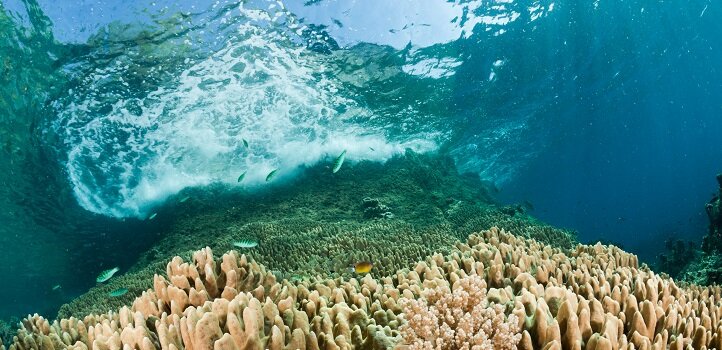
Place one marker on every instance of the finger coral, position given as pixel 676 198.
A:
pixel 230 303
pixel 487 292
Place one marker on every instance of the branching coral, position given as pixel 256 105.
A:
pixel 458 318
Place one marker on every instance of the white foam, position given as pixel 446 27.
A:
pixel 190 133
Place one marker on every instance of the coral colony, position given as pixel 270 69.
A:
pixel 523 294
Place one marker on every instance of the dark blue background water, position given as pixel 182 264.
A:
pixel 634 154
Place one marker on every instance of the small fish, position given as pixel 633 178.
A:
pixel 118 292
pixel 106 275
pixel 361 267
pixel 240 178
pixel 245 243
pixel 184 199
pixel 245 143
pixel 152 216
pixel 372 149
pixel 271 175
pixel 56 287
pixel 339 161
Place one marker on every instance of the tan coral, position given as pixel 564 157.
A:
pixel 191 309
pixel 593 297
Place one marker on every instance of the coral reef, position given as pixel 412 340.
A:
pixel 313 228
pixel 592 297
pixel 300 251
pixel 230 303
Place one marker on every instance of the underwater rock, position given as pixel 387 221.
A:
pixel 374 209
pixel 593 297
pixel 706 268
pixel 677 255
pixel 713 240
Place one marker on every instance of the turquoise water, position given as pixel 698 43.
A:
pixel 604 116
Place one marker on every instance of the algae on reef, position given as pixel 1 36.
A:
pixel 319 224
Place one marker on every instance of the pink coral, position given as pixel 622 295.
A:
pixel 458 318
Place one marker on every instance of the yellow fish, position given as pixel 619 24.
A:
pixel 361 267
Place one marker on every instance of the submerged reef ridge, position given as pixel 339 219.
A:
pixel 592 297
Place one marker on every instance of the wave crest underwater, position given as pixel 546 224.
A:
pixel 259 85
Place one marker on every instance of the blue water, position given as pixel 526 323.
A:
pixel 606 116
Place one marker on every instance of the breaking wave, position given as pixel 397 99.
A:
pixel 128 150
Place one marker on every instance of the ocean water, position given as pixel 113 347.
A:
pixel 602 117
